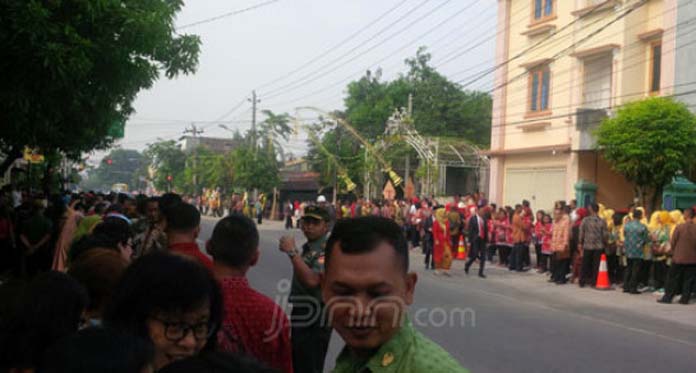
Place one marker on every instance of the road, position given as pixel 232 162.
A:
pixel 520 323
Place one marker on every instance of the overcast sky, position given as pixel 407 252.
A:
pixel 265 45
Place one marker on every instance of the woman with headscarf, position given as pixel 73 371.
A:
pixel 560 246
pixel 659 232
pixel 442 249
pixel 575 254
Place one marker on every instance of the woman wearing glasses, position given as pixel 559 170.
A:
pixel 170 300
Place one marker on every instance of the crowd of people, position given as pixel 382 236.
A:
pixel 644 253
pixel 118 283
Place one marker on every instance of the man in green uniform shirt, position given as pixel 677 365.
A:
pixel 310 333
pixel 367 289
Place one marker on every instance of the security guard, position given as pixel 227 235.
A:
pixel 310 332
pixel 367 288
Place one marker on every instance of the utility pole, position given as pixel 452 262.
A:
pixel 254 101
pixel 195 131
pixel 408 155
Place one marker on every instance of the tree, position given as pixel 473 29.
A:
pixel 71 69
pixel 255 170
pixel 167 158
pixel 649 142
pixel 119 166
pixel 275 126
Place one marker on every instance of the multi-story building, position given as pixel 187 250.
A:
pixel 214 144
pixel 563 67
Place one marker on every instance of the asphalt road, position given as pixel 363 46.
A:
pixel 494 326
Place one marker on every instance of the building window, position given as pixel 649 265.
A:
pixel 543 9
pixel 655 66
pixel 539 89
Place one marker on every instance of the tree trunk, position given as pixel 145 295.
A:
pixel 657 193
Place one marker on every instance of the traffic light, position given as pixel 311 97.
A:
pixel 169 178
pixel 109 161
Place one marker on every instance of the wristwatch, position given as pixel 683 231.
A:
pixel 293 253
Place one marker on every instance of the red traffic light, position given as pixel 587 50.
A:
pixel 109 162
pixel 169 178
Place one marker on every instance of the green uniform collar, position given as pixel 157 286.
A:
pixel 388 358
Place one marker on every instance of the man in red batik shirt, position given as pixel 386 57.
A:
pixel 183 227
pixel 253 325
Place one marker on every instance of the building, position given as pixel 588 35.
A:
pixel 566 65
pixel 214 144
pixel 298 181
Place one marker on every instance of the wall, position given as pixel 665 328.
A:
pixel 686 53
pixel 614 191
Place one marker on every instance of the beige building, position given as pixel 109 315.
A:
pixel 564 66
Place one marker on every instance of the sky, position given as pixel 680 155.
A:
pixel 299 53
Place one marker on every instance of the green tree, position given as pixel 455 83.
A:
pixel 71 69
pixel 119 166
pixel 649 142
pixel 167 159
pixel 255 170
pixel 272 129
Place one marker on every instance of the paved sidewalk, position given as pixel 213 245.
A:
pixel 538 290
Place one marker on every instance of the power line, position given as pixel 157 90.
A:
pixel 335 47
pixel 229 14
pixel 308 78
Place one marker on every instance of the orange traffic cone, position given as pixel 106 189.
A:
pixel 461 250
pixel 603 275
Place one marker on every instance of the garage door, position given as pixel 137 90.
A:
pixel 542 187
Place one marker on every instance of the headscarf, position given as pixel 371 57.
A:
pixel 653 225
pixel 581 213
pixel 441 216
pixel 677 219
pixel 609 218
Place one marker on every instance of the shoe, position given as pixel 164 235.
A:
pixel 551 280
pixel 466 270
pixel 581 285
pixel 683 301
pixel 626 291
pixel 561 282
pixel 482 275
pixel 635 292
pixel 664 301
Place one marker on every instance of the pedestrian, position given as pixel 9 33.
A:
pixel 253 324
pixel 502 236
pixel 591 242
pixel 287 213
pixel 575 251
pixel 365 254
pixel 614 226
pixel 682 274
pixel 171 300
pixel 442 251
pixel 546 233
pixel 48 309
pixel 428 241
pixel 660 235
pixel 478 233
pixel 117 235
pixel 183 228
pixel 519 236
pixel 538 237
pixel 636 235
pixel 456 225
pixel 153 236
pixel 34 235
pixel 561 247
pixel 98 271
pixel 310 332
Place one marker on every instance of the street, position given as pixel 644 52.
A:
pixel 518 322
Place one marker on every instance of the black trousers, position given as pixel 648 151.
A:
pixel 632 274
pixel 517 256
pixel 454 241
pixel 543 261
pixel 504 254
pixel 310 343
pixel 288 222
pixel 681 277
pixel 428 251
pixel 537 251
pixel 560 269
pixel 659 273
pixel 590 267
pixel 613 268
pixel 478 251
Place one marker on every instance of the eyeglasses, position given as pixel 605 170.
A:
pixel 176 331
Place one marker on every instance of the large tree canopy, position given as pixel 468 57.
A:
pixel 649 142
pixel 71 69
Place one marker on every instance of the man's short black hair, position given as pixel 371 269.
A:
pixel 182 217
pixel 363 235
pixel 637 214
pixel 595 207
pixel 234 240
